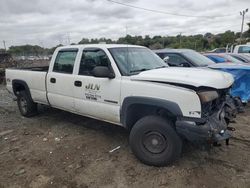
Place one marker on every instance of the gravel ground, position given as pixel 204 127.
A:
pixel 59 149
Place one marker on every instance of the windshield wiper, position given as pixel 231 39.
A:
pixel 144 69
pixel 139 70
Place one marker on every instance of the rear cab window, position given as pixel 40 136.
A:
pixel 244 49
pixel 65 60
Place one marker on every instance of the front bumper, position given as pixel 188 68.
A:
pixel 206 130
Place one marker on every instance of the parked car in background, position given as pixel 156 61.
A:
pixel 245 58
pixel 219 50
pixel 191 58
pixel 183 58
pixel 222 58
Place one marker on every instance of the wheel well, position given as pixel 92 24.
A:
pixel 138 111
pixel 19 86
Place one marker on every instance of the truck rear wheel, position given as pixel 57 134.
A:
pixel 154 141
pixel 26 105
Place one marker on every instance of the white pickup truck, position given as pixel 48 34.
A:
pixel 243 48
pixel 132 87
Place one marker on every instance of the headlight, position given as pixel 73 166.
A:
pixel 207 96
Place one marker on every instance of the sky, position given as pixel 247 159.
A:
pixel 50 22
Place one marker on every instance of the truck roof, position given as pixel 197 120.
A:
pixel 244 44
pixel 100 46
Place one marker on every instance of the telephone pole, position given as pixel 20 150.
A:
pixel 126 30
pixel 242 13
pixel 180 40
pixel 4 44
pixel 68 38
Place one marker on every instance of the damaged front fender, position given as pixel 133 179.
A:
pixel 212 129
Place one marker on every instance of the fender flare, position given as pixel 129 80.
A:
pixel 23 83
pixel 165 104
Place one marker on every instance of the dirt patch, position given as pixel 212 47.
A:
pixel 59 149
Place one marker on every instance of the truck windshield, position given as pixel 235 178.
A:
pixel 198 59
pixel 133 60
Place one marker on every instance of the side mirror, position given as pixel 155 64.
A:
pixel 102 72
pixel 165 59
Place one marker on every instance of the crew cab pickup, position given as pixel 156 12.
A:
pixel 132 87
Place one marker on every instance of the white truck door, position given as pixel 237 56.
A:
pixel 96 97
pixel 60 80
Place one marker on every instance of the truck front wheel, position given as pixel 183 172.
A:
pixel 154 141
pixel 26 105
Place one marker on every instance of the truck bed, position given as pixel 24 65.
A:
pixel 34 77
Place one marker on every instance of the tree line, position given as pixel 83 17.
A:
pixel 197 42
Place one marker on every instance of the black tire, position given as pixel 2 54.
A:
pixel 26 105
pixel 154 141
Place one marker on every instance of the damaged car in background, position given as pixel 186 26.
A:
pixel 132 87
pixel 240 91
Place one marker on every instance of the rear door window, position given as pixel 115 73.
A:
pixel 65 61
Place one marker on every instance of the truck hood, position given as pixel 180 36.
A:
pixel 187 76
